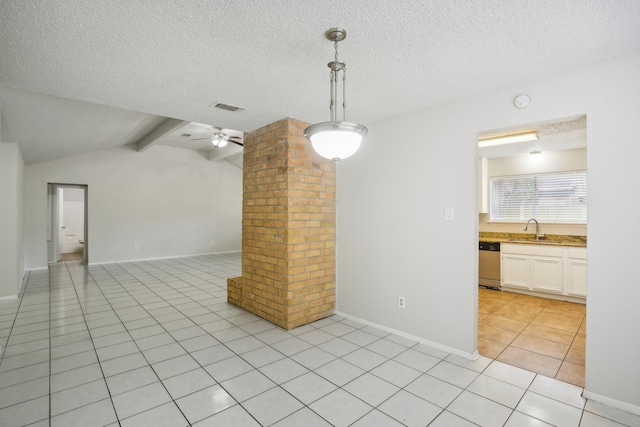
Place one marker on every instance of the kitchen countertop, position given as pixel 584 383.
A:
pixel 530 239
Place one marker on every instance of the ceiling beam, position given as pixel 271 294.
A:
pixel 166 127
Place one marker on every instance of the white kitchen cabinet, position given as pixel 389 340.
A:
pixel 483 183
pixel 559 270
pixel 515 270
pixel 576 267
pixel 547 274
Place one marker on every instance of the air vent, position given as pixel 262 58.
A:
pixel 186 135
pixel 228 107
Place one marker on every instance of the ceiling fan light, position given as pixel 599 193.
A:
pixel 218 142
pixel 335 140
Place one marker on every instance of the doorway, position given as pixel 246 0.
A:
pixel 67 236
pixel 536 332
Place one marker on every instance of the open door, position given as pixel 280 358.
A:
pixel 53 251
pixel 67 224
pixel 85 243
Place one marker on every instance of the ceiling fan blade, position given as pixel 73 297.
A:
pixel 199 139
pixel 236 142
pixel 233 133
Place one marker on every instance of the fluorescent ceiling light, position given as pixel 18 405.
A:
pixel 507 139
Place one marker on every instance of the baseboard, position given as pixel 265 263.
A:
pixel 161 258
pixel 464 354
pixel 547 295
pixel 23 283
pixel 624 406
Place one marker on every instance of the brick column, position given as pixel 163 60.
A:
pixel 288 228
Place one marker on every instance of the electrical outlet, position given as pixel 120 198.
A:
pixel 448 214
pixel 136 247
pixel 401 302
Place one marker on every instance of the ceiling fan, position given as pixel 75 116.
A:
pixel 221 137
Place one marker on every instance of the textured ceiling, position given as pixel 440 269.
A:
pixel 136 63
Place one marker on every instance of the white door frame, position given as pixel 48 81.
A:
pixel 53 254
pixel 53 238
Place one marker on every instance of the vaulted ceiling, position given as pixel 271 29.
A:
pixel 82 75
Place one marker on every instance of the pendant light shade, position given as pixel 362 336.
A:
pixel 335 139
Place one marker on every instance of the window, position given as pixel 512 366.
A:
pixel 551 197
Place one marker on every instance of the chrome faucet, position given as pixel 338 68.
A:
pixel 538 235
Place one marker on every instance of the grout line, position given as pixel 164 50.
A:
pixel 531 322
pixel 124 285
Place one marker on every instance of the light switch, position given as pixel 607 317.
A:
pixel 448 214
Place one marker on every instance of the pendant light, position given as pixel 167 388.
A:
pixel 335 139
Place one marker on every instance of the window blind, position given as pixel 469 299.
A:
pixel 551 197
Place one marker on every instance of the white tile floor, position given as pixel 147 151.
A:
pixel 155 344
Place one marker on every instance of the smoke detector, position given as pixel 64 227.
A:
pixel 522 101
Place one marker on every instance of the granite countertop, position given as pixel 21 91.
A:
pixel 530 239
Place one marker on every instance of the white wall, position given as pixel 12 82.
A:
pixel 547 161
pixel 11 223
pixel 162 202
pixel 393 239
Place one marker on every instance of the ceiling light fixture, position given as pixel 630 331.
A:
pixel 507 139
pixel 335 139
pixel 218 140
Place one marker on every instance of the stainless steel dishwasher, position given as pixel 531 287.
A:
pixel 489 264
